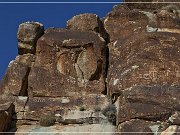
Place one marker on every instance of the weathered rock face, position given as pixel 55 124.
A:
pixel 143 75
pixel 68 108
pixel 146 127
pixel 28 34
pixel 151 59
pixel 150 103
pixel 120 73
pixel 149 4
pixel 19 103
pixel 87 129
pixel 141 126
pixel 87 22
pixel 124 21
pixel 15 80
pixel 68 63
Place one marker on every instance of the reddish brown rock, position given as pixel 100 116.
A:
pixel 151 103
pixel 6 111
pixel 136 126
pixel 28 34
pixel 68 108
pixel 87 22
pixel 147 5
pixel 15 80
pixel 124 21
pixel 147 59
pixel 167 18
pixel 144 73
pixel 68 63
pixel 63 73
pixel 26 59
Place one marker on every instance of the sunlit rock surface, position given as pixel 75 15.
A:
pixel 116 75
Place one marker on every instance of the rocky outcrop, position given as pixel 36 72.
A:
pixel 68 63
pixel 15 80
pixel 122 22
pixel 149 5
pixel 118 75
pixel 87 22
pixel 66 107
pixel 63 78
pixel 130 19
pixel 151 59
pixel 143 76
pixel 136 125
pixel 28 34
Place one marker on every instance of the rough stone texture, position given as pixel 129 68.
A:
pixel 6 111
pixel 87 22
pixel 147 59
pixel 26 59
pixel 68 63
pixel 123 21
pixel 19 103
pixel 92 129
pixel 70 69
pixel 69 108
pixel 146 76
pixel 15 80
pixel 143 75
pixel 144 127
pixel 28 34
pixel 149 5
pixel 139 126
pixel 151 103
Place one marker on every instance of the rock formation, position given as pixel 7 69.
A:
pixel 118 74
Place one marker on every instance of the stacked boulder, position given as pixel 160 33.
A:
pixel 115 75
pixel 60 78
pixel 143 75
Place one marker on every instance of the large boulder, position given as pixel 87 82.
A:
pixel 28 34
pixel 123 21
pixel 68 63
pixel 87 22
pixel 143 77
pixel 155 103
pixel 69 80
pixel 15 80
pixel 146 59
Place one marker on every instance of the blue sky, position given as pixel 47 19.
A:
pixel 51 15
